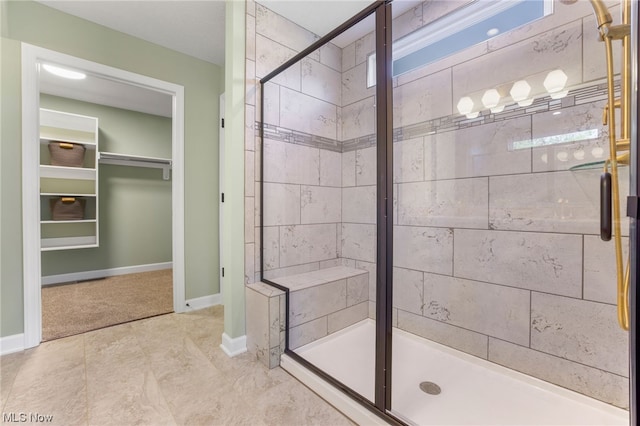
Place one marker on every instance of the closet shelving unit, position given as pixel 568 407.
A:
pixel 59 181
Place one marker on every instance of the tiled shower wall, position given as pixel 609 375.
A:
pixel 496 249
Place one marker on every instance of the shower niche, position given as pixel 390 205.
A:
pixel 429 213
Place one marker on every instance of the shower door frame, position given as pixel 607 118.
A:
pixel 384 209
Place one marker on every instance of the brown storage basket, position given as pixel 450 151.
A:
pixel 66 154
pixel 67 208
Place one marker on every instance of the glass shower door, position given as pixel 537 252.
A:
pixel 504 294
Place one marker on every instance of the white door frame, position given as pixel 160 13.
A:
pixel 32 56
pixel 221 194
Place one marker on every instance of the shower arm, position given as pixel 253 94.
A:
pixel 618 147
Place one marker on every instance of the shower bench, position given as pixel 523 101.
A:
pixel 320 303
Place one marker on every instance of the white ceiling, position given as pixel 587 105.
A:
pixel 195 28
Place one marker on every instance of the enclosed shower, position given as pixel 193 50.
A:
pixel 443 200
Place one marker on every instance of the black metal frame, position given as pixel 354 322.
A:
pixel 384 213
pixel 384 264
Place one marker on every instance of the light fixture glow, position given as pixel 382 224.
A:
pixel 555 81
pixel 579 154
pixel 64 72
pixel 562 156
pixel 597 152
pixel 497 109
pixel 520 90
pixel 491 98
pixel 465 105
pixel 493 32
pixel 473 114
pixel 559 95
pixel 526 102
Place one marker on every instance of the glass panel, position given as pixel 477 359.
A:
pixel 319 203
pixel 500 277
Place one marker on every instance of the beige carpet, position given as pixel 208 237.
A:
pixel 76 308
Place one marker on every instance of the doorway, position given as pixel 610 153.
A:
pixel 32 60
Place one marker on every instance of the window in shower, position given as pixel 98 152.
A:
pixel 477 22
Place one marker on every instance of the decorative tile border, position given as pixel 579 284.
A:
pixel 451 123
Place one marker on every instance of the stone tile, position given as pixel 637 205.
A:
pixel 559 48
pixel 354 85
pixel 270 55
pixel 291 270
pixel 449 335
pixel 359 119
pixel 581 331
pixel 52 382
pixel 346 317
pixel 456 301
pixel 359 204
pixel 371 269
pixel 301 244
pixel 116 365
pixel 460 203
pixel 600 268
pixel 249 215
pixel 280 29
pixel 423 99
pixel 550 263
pixel 365 46
pixel 271 247
pixel 249 263
pixel 366 166
pixel 478 151
pixel 9 366
pixel 423 249
pixel 289 163
pixel 320 204
pixel 272 103
pixel 331 56
pixel 359 242
pixel 561 202
pixel 307 114
pixel 318 277
pixel 580 118
pixel 330 168
pixel 308 332
pixel 283 205
pixel 349 57
pixel 348 169
pixel 249 174
pixel 251 83
pixel 257 324
pixel 274 324
pixel 407 22
pixel 249 127
pixel 595 64
pixel 357 289
pixel 408 290
pixel 321 81
pixel 250 37
pixel 596 383
pixel 331 263
pixel 435 9
pixel 408 161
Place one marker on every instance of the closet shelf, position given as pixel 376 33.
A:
pixel 62 172
pixel 136 161
pixel 56 222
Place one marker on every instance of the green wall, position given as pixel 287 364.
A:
pixel 135 203
pixel 33 23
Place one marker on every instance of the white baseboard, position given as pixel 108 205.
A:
pixel 11 344
pixel 101 273
pixel 233 347
pixel 203 302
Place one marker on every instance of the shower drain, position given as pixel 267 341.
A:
pixel 430 388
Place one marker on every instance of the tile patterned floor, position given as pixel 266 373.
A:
pixel 162 370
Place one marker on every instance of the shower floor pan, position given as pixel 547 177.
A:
pixel 473 391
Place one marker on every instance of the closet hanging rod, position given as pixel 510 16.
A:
pixel 136 161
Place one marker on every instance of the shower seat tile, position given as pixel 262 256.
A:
pixel 357 289
pixel 607 387
pixel 346 317
pixel 449 335
pixel 423 249
pixel 600 269
pixel 581 331
pixel 559 202
pixel 551 263
pixel 455 301
pixel 478 151
pixel 308 332
pixel 460 203
pixel 315 302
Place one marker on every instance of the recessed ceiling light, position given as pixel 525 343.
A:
pixel 64 73
pixel 493 32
